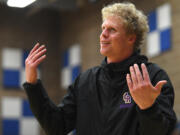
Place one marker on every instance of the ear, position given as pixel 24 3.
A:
pixel 131 39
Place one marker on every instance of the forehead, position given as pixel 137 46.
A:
pixel 113 21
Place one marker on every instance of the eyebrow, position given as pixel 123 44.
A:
pixel 111 26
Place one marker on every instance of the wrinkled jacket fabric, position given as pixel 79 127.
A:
pixel 99 103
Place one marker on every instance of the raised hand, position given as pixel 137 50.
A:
pixel 140 87
pixel 35 57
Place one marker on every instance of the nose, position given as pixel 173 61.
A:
pixel 104 33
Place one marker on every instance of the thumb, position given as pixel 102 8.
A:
pixel 160 84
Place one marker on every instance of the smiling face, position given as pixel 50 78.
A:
pixel 115 44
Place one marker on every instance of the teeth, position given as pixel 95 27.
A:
pixel 105 42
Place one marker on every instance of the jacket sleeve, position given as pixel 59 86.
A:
pixel 160 118
pixel 55 120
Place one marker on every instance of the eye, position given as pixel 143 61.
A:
pixel 102 28
pixel 112 29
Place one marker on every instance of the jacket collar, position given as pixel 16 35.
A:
pixel 124 65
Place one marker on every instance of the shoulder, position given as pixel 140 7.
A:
pixel 89 72
pixel 86 81
pixel 86 76
pixel 155 69
pixel 156 73
pixel 152 67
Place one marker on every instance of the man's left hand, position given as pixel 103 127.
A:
pixel 142 91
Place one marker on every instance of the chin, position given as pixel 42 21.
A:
pixel 104 52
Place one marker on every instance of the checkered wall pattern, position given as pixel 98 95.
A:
pixel 159 36
pixel 17 118
pixel 13 65
pixel 71 65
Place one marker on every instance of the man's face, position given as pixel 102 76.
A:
pixel 114 42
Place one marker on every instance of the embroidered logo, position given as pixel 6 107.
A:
pixel 127 98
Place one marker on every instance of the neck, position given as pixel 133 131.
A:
pixel 119 59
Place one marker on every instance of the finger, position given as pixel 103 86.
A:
pixel 145 73
pixel 36 51
pixel 138 73
pixel 160 84
pixel 38 61
pixel 38 55
pixel 129 82
pixel 133 76
pixel 34 48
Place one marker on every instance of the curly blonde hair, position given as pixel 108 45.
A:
pixel 135 22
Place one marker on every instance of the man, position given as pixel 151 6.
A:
pixel 125 95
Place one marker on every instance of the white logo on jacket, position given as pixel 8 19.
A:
pixel 127 98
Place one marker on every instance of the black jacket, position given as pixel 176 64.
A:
pixel 99 103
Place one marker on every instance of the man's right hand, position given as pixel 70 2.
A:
pixel 35 57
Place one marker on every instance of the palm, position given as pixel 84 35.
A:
pixel 141 89
pixel 35 57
